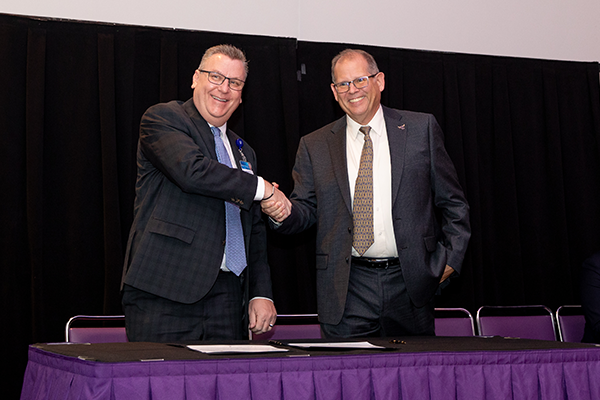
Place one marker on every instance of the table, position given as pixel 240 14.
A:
pixel 420 368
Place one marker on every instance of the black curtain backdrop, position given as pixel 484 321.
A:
pixel 524 135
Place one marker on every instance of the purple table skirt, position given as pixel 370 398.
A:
pixel 535 374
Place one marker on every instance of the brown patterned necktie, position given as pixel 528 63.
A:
pixel 362 206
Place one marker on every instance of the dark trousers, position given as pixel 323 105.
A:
pixel 377 305
pixel 217 316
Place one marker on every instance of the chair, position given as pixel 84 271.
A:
pixel 97 329
pixel 571 323
pixel 454 322
pixel 527 322
pixel 292 326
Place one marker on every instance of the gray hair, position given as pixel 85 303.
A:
pixel 372 65
pixel 227 50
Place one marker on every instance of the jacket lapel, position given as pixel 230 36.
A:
pixel 397 133
pixel 337 151
pixel 205 135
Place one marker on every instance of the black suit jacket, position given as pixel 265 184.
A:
pixel 423 180
pixel 176 242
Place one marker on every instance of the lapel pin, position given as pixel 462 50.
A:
pixel 403 126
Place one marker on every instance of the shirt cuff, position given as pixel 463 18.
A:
pixel 260 189
pixel 275 223
pixel 264 298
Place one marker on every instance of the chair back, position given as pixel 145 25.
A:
pixel 97 329
pixel 292 326
pixel 526 322
pixel 571 323
pixel 454 322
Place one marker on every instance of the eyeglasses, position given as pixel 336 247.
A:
pixel 359 83
pixel 217 79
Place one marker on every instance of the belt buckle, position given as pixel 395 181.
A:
pixel 379 264
pixel 383 264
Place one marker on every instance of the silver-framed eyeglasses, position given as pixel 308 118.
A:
pixel 359 83
pixel 217 78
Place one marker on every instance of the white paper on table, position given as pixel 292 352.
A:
pixel 235 348
pixel 339 345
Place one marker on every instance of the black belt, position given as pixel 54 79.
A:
pixel 376 262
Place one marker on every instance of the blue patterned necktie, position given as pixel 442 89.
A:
pixel 235 253
pixel 362 205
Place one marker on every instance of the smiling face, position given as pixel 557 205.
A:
pixel 216 103
pixel 360 104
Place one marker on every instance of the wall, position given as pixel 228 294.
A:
pixel 550 29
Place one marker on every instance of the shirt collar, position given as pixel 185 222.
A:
pixel 377 124
pixel 222 128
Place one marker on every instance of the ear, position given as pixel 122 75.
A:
pixel 380 81
pixel 335 93
pixel 195 78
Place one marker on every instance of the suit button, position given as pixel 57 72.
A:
pixel 350 230
pixel 347 260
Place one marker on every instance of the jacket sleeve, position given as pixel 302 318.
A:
pixel 449 198
pixel 303 197
pixel 175 146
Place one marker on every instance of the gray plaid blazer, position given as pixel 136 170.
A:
pixel 176 242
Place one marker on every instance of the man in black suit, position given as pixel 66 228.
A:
pixel 191 272
pixel 379 262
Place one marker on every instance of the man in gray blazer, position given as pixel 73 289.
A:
pixel 179 283
pixel 417 215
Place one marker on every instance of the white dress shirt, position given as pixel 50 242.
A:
pixel 383 229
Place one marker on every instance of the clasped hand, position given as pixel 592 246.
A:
pixel 277 206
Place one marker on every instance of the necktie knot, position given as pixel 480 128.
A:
pixel 366 130
pixel 222 155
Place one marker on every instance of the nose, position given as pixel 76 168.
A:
pixel 224 86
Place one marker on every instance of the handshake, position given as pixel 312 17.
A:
pixel 275 204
